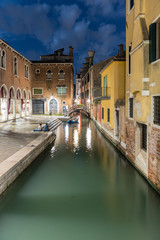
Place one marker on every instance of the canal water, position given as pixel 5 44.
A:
pixel 80 188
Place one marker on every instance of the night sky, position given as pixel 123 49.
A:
pixel 37 27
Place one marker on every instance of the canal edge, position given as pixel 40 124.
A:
pixel 99 127
pixel 13 166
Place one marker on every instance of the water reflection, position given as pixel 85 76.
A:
pixel 76 138
pixel 88 139
pixel 66 133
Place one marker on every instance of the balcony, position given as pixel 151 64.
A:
pixel 102 93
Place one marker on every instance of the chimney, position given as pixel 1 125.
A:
pixel 120 50
pixel 70 51
pixel 91 56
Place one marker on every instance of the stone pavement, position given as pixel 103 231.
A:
pixel 16 134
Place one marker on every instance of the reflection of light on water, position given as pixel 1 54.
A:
pixel 76 138
pixel 66 133
pixel 53 149
pixel 88 138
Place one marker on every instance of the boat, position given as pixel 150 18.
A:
pixel 73 120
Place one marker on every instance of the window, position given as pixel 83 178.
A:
pixel 37 91
pixel 61 74
pixel 156 110
pixel 26 71
pixel 49 74
pixel 15 66
pixel 88 78
pixel 64 102
pixel 131 4
pixel 144 137
pixel 61 89
pixel 130 107
pixel 3 59
pixel 154 47
pixel 129 59
pixel 83 95
pixel 37 71
pixel 102 113
pixel 105 84
pixel 108 115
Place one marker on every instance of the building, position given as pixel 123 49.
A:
pixel 15 83
pixel 143 87
pixel 78 89
pixel 37 87
pixel 52 83
pixel 113 96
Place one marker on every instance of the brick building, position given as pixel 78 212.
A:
pixel 52 83
pixel 45 85
pixel 15 83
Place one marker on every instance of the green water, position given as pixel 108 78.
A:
pixel 80 188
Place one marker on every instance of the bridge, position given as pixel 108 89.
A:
pixel 79 108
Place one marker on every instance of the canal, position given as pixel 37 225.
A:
pixel 80 188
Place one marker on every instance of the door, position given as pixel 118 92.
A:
pixel 53 106
pixel 38 106
pixel 64 109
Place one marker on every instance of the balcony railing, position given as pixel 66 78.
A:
pixel 102 93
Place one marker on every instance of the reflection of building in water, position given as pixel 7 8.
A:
pixel 76 138
pixel 88 139
pixel 66 133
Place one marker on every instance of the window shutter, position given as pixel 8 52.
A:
pixel 152 46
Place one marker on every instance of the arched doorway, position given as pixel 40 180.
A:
pixel 18 103
pixel 29 103
pixel 24 103
pixel 53 106
pixel 4 103
pixel 11 104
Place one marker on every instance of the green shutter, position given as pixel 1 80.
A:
pixel 106 80
pixel 152 46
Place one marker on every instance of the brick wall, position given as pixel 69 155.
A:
pixel 154 156
pixel 130 139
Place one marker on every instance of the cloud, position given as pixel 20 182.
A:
pixel 107 8
pixel 68 15
pixel 28 19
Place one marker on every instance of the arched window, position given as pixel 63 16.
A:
pixel 15 66
pixel 11 93
pixel 61 74
pixel 3 59
pixel 18 94
pixel 26 71
pixel 49 74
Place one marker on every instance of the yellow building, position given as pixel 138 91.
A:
pixel 113 93
pixel 143 86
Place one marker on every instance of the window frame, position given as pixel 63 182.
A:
pixel 15 67
pixel 154 38
pixel 144 142
pixel 152 104
pixel 38 93
pixel 3 59
pixel 60 72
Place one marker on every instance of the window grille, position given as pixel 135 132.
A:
pixel 131 107
pixel 156 110
pixel 144 137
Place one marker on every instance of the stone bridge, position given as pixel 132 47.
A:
pixel 79 108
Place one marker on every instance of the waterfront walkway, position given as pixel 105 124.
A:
pixel 16 134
